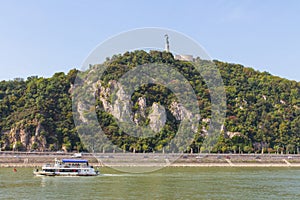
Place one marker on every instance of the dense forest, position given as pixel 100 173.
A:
pixel 263 111
pixel 40 107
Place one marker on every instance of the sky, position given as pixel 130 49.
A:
pixel 42 37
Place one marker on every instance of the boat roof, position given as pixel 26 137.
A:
pixel 74 161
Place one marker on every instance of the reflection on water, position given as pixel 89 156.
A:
pixel 168 183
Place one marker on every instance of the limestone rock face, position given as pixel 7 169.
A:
pixel 233 134
pixel 81 108
pixel 181 113
pixel 119 104
pixel 142 106
pixel 18 138
pixel 157 117
pixel 115 100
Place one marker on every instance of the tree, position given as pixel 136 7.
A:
pixel 247 149
pixel 290 148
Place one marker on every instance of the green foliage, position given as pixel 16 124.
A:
pixel 18 146
pixel 34 146
pixel 39 101
pixel 263 109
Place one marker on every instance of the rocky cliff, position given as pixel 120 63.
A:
pixel 20 138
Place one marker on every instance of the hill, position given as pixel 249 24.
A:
pixel 263 111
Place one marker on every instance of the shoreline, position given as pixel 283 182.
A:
pixel 37 159
pixel 244 165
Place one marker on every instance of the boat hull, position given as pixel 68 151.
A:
pixel 42 173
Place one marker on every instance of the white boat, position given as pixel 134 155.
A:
pixel 67 167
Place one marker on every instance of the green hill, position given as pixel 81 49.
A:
pixel 263 111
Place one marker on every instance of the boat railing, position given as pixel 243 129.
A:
pixel 75 165
pixel 59 164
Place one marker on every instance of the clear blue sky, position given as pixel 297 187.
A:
pixel 39 37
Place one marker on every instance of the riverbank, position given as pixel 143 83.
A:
pixel 37 159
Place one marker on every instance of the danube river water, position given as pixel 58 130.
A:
pixel 168 183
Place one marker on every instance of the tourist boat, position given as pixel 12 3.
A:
pixel 67 167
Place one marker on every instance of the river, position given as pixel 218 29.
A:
pixel 167 183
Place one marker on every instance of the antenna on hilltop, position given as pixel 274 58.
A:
pixel 167 47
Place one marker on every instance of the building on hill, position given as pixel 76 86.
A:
pixel 184 57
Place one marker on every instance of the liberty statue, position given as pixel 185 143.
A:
pixel 167 47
